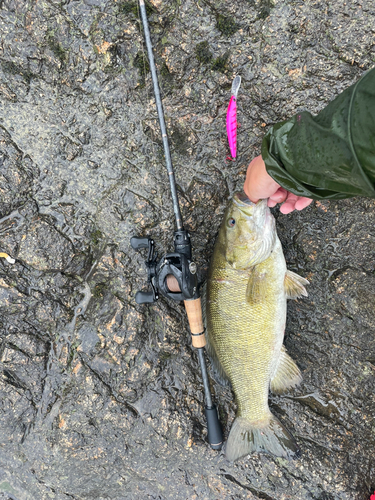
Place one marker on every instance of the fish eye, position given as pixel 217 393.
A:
pixel 231 222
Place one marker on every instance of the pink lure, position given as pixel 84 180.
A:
pixel 232 117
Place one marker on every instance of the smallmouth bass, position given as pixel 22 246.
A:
pixel 245 307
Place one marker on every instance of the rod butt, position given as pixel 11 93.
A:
pixel 215 434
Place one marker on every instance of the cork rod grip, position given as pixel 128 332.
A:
pixel 194 313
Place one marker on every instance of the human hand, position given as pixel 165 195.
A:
pixel 259 185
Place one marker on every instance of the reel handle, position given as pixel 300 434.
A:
pixel 144 297
pixel 137 242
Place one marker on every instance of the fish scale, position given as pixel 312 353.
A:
pixel 246 294
pixel 267 320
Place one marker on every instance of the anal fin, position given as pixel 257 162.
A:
pixel 287 374
pixel 294 285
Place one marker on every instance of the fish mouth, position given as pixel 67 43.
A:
pixel 243 202
pixel 241 199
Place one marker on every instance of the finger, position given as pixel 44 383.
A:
pixel 279 196
pixel 271 203
pixel 302 203
pixel 290 204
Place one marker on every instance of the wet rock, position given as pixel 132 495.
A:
pixel 102 398
pixel 16 177
pixel 44 248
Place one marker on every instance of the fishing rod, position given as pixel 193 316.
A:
pixel 175 274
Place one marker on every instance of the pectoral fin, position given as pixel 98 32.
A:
pixel 256 289
pixel 294 285
pixel 287 374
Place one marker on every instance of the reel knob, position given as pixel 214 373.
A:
pixel 144 297
pixel 137 242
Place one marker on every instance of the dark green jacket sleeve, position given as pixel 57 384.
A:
pixel 332 155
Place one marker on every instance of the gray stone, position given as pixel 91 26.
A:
pixel 101 398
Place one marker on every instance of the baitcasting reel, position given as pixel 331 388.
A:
pixel 174 276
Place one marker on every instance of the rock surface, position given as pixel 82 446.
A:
pixel 101 398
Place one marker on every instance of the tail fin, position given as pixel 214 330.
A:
pixel 272 438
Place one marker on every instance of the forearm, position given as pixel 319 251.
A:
pixel 332 155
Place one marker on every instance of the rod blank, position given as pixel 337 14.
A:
pixel 159 106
